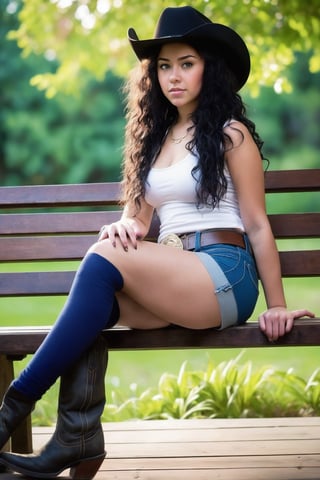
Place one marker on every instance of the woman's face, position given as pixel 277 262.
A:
pixel 180 70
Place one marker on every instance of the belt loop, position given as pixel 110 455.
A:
pixel 247 243
pixel 197 243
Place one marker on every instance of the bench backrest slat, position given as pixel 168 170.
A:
pixel 39 196
pixel 45 248
pixel 17 284
pixel 293 225
pixel 56 223
pixel 301 263
pixel 58 283
pixel 292 180
pixel 91 194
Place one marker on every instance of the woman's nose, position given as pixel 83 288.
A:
pixel 174 75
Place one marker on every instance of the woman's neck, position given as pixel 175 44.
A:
pixel 181 128
pixel 184 116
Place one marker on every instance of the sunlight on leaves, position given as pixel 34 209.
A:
pixel 92 35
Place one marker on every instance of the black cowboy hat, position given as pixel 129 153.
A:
pixel 185 24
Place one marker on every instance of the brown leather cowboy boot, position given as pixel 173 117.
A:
pixel 78 441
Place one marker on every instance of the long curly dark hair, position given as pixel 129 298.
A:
pixel 150 115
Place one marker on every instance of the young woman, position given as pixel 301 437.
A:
pixel 192 155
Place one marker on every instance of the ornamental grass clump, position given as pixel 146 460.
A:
pixel 233 391
pixel 290 395
pixel 228 390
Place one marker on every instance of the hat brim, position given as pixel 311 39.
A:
pixel 220 38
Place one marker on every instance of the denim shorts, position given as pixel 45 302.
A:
pixel 234 274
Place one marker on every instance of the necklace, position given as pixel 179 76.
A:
pixel 178 140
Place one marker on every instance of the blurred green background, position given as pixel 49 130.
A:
pixel 70 128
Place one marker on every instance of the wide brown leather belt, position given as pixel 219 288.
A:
pixel 187 241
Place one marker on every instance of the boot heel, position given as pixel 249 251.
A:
pixel 86 469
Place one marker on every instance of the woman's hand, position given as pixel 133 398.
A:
pixel 277 321
pixel 127 232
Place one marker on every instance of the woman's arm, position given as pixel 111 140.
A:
pixel 131 227
pixel 245 166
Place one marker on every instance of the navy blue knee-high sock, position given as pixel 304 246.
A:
pixel 86 312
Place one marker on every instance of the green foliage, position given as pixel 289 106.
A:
pixel 70 142
pixel 90 37
pixel 79 137
pixel 228 390
pixel 232 391
pixel 289 123
pixel 290 395
pixel 65 140
pixel 45 413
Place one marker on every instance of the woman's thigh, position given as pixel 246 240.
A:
pixel 134 315
pixel 172 284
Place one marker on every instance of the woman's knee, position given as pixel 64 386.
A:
pixel 97 246
pixel 105 249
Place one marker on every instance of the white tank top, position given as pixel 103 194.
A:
pixel 172 192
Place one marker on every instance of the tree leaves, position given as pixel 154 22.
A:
pixel 91 36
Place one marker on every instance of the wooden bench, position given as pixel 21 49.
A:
pixel 59 222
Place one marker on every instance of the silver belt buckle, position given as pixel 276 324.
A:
pixel 172 240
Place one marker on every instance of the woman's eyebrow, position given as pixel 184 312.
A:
pixel 184 57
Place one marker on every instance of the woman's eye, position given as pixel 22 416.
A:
pixel 187 65
pixel 163 66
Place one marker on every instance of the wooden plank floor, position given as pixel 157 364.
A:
pixel 242 449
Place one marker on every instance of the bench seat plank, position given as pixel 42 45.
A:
pixel 22 340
